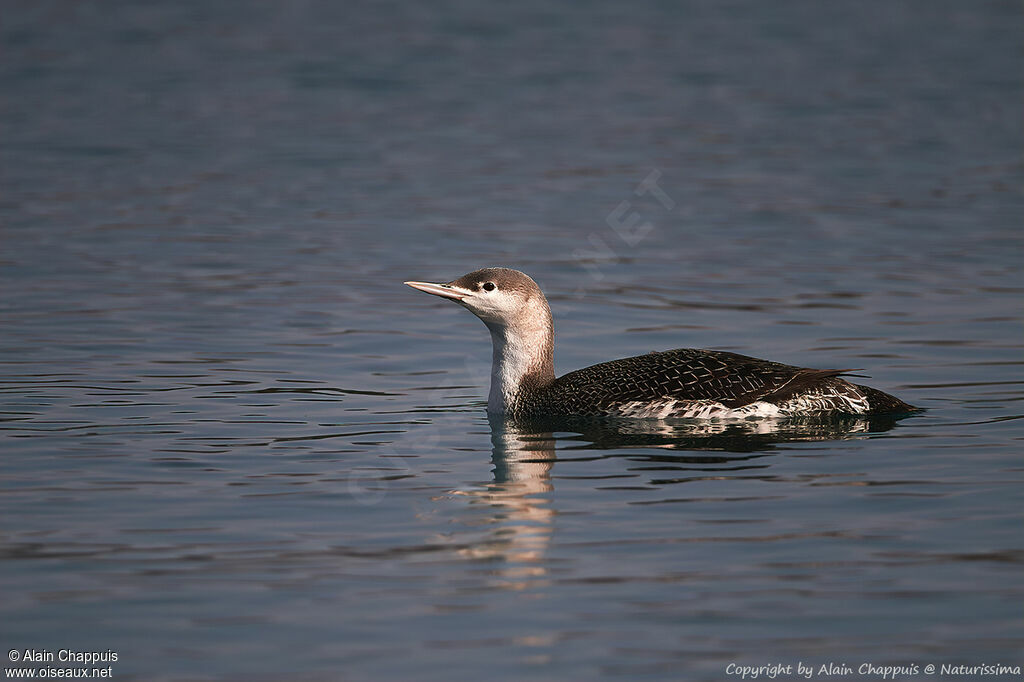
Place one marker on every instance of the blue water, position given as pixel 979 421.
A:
pixel 236 447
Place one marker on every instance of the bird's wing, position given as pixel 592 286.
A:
pixel 689 374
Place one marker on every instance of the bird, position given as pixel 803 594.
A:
pixel 684 383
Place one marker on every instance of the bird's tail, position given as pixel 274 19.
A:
pixel 883 403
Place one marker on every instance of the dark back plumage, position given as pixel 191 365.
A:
pixel 686 374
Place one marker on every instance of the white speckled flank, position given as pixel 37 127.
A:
pixel 693 409
pixel 822 400
pixel 811 403
pixel 687 382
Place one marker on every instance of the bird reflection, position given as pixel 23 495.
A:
pixel 518 502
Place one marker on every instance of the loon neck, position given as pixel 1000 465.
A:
pixel 522 361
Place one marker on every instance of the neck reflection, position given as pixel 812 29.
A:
pixel 519 508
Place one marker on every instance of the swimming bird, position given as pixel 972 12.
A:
pixel 686 382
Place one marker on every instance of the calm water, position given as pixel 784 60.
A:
pixel 235 447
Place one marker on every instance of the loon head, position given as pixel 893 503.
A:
pixel 502 298
pixel 516 312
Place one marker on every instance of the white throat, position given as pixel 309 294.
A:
pixel 521 360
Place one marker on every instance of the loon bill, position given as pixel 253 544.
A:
pixel 686 382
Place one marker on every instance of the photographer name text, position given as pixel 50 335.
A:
pixel 878 671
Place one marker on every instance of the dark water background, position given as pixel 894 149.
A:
pixel 235 447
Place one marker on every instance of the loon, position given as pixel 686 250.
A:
pixel 687 382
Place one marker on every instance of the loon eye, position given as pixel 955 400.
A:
pixel 489 286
